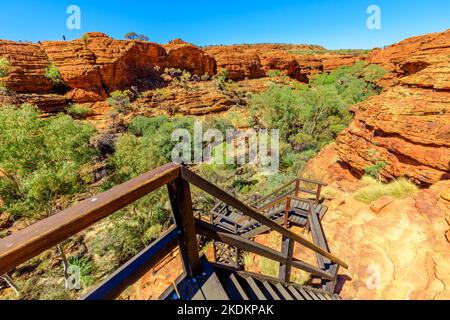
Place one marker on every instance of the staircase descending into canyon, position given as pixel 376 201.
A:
pixel 232 226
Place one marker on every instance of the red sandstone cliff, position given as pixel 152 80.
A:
pixel 408 126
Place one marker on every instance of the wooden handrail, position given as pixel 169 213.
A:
pixel 274 192
pixel 208 187
pixel 276 201
pixel 319 183
pixel 45 234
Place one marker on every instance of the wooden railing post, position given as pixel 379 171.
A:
pixel 180 198
pixel 319 191
pixel 287 249
pixel 297 187
pixel 286 212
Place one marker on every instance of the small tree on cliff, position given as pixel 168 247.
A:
pixel 4 67
pixel 135 36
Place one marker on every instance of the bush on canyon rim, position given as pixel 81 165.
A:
pixel 41 161
pixel 120 101
pixel 77 111
pixel 52 73
pixel 311 116
pixel 4 67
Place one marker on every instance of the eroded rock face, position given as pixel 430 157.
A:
pixel 200 98
pixel 239 62
pixel 407 127
pixel 27 67
pixel 188 57
pixel 254 61
pixel 97 65
pixel 395 248
pixel 123 64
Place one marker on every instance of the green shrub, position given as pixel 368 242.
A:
pixel 373 190
pixel 4 67
pixel 147 145
pixel 120 101
pixel 41 160
pixel 269 267
pixel 221 79
pixel 78 111
pixel 87 270
pixel 374 170
pixel 310 117
pixel 85 38
pixel 52 73
pixel 133 228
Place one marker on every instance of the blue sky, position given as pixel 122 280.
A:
pixel 335 24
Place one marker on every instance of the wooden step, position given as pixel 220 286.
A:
pixel 295 293
pixel 270 293
pixel 282 290
pixel 255 290
pixel 232 286
pixel 305 294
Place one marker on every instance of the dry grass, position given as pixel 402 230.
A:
pixel 373 189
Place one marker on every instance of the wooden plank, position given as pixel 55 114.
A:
pixel 45 234
pixel 295 293
pixel 238 286
pixel 313 295
pixel 246 210
pixel 321 296
pixel 131 271
pixel 256 290
pixel 215 233
pixel 270 291
pixel 211 289
pixel 283 292
pixel 180 198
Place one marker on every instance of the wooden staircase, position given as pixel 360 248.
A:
pixel 230 229
pixel 219 282
pixel 285 209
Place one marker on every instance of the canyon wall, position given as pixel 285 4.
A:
pixel 406 129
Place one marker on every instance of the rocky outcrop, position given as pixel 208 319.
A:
pixel 198 98
pixel 188 57
pixel 254 61
pixel 239 62
pixel 421 61
pixel 96 65
pixel 27 67
pixel 406 129
pixel 48 103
